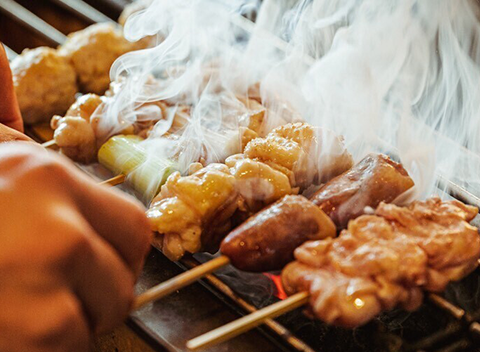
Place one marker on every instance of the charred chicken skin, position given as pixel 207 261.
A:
pixel 385 260
pixel 215 195
pixel 374 179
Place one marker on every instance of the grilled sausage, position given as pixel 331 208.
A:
pixel 266 241
pixel 375 179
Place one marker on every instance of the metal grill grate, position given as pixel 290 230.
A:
pixel 461 332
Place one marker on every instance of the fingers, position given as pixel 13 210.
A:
pixel 8 134
pixel 42 320
pixel 97 274
pixel 118 218
pixel 9 109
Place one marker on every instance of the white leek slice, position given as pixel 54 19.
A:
pixel 124 155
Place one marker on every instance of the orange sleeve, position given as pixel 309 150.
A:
pixel 9 109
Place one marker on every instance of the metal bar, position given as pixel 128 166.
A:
pixel 438 337
pixel 32 21
pixel 10 53
pixel 83 10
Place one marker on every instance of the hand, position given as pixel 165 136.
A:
pixel 70 252
pixel 9 110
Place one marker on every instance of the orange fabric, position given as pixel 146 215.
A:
pixel 9 110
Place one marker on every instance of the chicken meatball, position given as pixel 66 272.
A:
pixel 92 52
pixel 45 84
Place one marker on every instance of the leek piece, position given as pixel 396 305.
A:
pixel 125 155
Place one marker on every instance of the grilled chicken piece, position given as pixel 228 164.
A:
pixel 373 180
pixel 268 239
pixel 45 84
pixel 385 260
pixel 306 154
pixel 92 52
pixel 75 132
pixel 258 180
pixel 190 211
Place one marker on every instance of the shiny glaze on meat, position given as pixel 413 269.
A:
pixel 373 180
pixel 385 260
pixel 267 240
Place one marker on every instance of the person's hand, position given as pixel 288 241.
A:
pixel 70 252
pixel 9 111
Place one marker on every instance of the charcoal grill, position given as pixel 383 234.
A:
pixel 447 322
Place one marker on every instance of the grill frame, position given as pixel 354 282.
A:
pixel 464 323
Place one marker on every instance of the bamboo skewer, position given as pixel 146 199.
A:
pixel 50 144
pixel 179 281
pixel 257 318
pixel 114 181
pixel 248 322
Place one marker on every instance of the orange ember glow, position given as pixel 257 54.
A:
pixel 277 281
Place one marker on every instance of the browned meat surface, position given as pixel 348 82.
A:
pixel 260 176
pixel 385 260
pixel 373 180
pixel 191 210
pixel 267 240
pixel 75 133
pixel 92 52
pixel 307 155
pixel 45 84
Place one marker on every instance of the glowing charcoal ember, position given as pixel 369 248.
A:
pixel 146 173
pixel 385 260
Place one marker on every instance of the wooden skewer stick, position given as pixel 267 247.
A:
pixel 114 181
pixel 179 281
pixel 51 143
pixel 248 322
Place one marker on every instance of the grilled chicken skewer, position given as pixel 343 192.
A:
pixel 379 262
pixel 194 213
pixel 267 240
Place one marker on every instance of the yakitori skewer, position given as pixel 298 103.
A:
pixel 352 298
pixel 266 241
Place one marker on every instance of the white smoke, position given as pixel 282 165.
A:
pixel 400 76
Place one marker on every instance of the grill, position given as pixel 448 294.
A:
pixel 447 322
